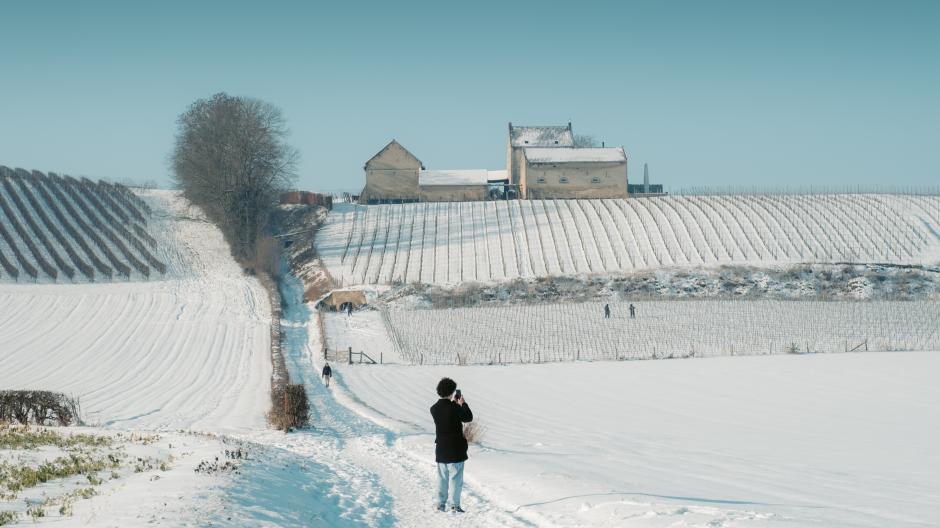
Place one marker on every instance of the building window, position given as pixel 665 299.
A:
pixel 526 141
pixel 563 179
pixel 595 179
pixel 540 180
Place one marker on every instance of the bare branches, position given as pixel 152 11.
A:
pixel 231 159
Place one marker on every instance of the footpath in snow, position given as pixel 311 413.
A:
pixel 346 470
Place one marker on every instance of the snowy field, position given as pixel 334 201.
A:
pixel 450 243
pixel 818 440
pixel 187 352
pixel 824 440
pixel 363 332
pixel 549 332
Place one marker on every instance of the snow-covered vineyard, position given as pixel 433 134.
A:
pixel 56 228
pixel 189 351
pixel 663 329
pixel 449 243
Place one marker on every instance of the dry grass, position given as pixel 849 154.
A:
pixel 474 432
pixel 289 407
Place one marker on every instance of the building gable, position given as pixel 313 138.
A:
pixel 394 157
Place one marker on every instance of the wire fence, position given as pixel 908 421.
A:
pixel 541 333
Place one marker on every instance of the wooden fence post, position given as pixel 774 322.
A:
pixel 350 355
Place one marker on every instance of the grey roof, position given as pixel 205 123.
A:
pixel 576 155
pixel 541 136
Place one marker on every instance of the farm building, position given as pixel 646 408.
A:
pixel 338 300
pixel 574 173
pixel 523 137
pixel 542 162
pixel 456 185
pixel 392 175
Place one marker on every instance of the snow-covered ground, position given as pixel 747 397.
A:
pixel 535 333
pixel 363 332
pixel 190 352
pixel 821 440
pixel 147 479
pixel 450 243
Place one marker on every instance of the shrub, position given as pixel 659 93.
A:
pixel 289 407
pixel 39 407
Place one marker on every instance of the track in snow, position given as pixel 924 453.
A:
pixel 344 471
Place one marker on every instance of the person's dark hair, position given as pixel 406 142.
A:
pixel 446 387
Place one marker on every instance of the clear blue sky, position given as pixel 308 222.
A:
pixel 708 93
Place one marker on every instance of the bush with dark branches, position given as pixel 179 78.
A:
pixel 39 407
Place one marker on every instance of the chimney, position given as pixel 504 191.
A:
pixel 646 179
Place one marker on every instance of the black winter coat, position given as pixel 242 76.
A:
pixel 448 426
pixel 327 371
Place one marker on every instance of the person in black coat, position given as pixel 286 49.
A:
pixel 327 374
pixel 450 450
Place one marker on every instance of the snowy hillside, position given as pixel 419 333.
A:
pixel 190 351
pixel 448 243
pixel 788 441
pixel 66 230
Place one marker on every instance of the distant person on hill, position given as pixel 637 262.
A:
pixel 327 374
pixel 451 449
pixel 606 311
pixel 632 311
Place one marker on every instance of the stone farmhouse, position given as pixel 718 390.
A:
pixel 542 163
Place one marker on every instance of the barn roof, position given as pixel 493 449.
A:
pixel 399 145
pixel 541 136
pixel 576 155
pixel 337 297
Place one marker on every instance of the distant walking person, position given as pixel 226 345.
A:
pixel 327 374
pixel 606 311
pixel 632 311
pixel 348 309
pixel 451 449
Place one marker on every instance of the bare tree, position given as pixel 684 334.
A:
pixel 231 159
pixel 585 140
